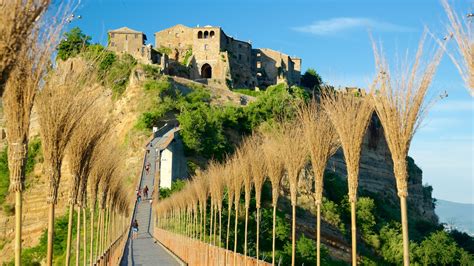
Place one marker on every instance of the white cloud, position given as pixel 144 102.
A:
pixel 336 25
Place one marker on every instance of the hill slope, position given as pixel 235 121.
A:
pixel 457 215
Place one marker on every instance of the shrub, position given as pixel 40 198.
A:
pixel 440 249
pixel 249 92
pixel 202 131
pixel 73 43
pixel 331 214
pixel 118 75
pixel 164 50
pixel 176 186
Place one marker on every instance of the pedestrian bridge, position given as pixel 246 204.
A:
pixel 155 246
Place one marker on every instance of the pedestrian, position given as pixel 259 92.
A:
pixel 145 192
pixel 147 168
pixel 135 229
pixel 139 196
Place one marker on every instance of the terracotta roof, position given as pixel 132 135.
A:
pixel 125 30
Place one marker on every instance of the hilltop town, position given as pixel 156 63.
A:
pixel 208 55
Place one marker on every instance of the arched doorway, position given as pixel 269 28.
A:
pixel 206 71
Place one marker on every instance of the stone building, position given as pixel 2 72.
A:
pixel 126 40
pixel 214 57
pixel 208 55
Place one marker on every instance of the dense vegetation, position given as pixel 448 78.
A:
pixel 114 70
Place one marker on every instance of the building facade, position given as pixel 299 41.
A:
pixel 211 56
pixel 126 40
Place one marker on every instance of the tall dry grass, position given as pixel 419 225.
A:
pixel 104 162
pixel 67 95
pixel 244 160
pixel 322 142
pixel 18 22
pixel 460 28
pixel 259 174
pixel 25 53
pixel 234 166
pixel 293 146
pixel 80 150
pixel 399 101
pixel 350 114
pixel 275 170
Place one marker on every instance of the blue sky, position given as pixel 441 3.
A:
pixel 332 37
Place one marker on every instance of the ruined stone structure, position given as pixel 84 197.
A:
pixel 215 57
pixel 126 40
pixel 208 55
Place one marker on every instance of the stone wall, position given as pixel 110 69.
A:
pixel 125 40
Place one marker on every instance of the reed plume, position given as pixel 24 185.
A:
pixel 293 147
pixel 237 177
pixel 463 58
pixel 275 169
pixel 229 184
pixel 244 161
pixel 350 114
pixel 399 103
pixel 65 98
pixel 322 142
pixel 79 150
pixel 18 22
pixel 25 64
pixel 259 174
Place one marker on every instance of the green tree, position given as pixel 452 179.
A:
pixel 73 43
pixel 311 79
pixel 440 249
pixel 202 131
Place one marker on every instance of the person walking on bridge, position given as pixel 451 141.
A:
pixel 134 229
pixel 145 192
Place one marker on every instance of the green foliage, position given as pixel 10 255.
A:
pixel 35 155
pixel 391 243
pixel 164 50
pixel 311 79
pixel 151 71
pixel 277 102
pixel 366 220
pixel 440 249
pixel 187 56
pixel 73 43
pixel 176 186
pixel 436 249
pixel 330 212
pixel 202 131
pixel 4 175
pixel 249 92
pixel 35 255
pixel 118 74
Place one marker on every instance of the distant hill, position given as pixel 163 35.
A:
pixel 457 215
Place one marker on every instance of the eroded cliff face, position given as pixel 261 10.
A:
pixel 376 174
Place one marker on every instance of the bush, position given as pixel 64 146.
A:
pixel 440 249
pixel 249 92
pixel 202 131
pixel 311 79
pixel 331 214
pixel 73 43
pixel 118 74
pixel 176 186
